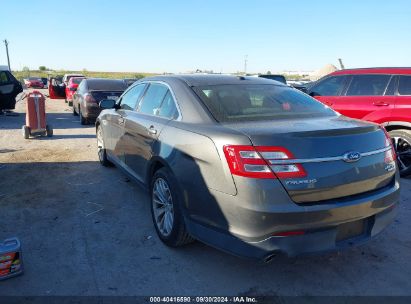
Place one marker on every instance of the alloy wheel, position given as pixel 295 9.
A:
pixel 163 206
pixel 403 150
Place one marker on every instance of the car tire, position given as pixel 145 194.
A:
pixel 70 103
pixel 101 151
pixel 49 131
pixel 166 209
pixel 65 100
pixel 402 143
pixel 75 112
pixel 83 120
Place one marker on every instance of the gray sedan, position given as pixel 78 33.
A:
pixel 249 165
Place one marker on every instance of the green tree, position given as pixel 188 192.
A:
pixel 26 69
pixel 42 68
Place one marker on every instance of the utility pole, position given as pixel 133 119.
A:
pixel 6 43
pixel 341 64
pixel 245 64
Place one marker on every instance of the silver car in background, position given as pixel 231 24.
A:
pixel 249 165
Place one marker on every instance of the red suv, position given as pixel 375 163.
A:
pixel 380 95
pixel 71 88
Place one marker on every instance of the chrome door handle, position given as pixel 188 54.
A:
pixel 381 104
pixel 152 130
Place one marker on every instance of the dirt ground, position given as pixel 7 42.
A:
pixel 86 230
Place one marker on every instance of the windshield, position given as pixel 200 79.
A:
pixel 231 103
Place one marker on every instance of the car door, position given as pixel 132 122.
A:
pixel 367 97
pixel 402 108
pixel 77 95
pixel 9 89
pixel 127 103
pixel 56 89
pixel 156 108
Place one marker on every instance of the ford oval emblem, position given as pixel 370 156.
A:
pixel 351 157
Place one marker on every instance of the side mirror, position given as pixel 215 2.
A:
pixel 107 104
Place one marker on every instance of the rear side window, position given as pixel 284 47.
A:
pixel 404 85
pixel 168 108
pixel 331 86
pixel 131 97
pixel 368 85
pixel 231 103
pixel 391 87
pixel 152 99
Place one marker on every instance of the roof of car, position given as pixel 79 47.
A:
pixel 214 79
pixel 382 70
pixel 105 84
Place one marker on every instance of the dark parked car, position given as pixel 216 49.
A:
pixel 130 81
pixel 10 87
pixel 34 82
pixel 90 92
pixel 250 166
pixel 380 95
pixel 275 77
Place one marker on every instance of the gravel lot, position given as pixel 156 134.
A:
pixel 86 230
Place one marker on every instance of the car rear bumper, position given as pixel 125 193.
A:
pixel 326 227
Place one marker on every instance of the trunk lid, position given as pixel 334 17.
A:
pixel 328 150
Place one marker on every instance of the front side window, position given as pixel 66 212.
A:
pixel 4 78
pixel 153 98
pixel 404 85
pixel 331 86
pixel 231 103
pixel 368 85
pixel 131 97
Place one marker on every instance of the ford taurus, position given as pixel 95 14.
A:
pixel 249 165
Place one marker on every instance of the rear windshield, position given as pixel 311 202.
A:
pixel 230 103
pixel 77 80
pixel 106 85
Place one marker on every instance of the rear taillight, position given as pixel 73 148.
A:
pixel 390 155
pixel 250 161
pixel 89 98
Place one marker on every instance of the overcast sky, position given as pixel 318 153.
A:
pixel 179 36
